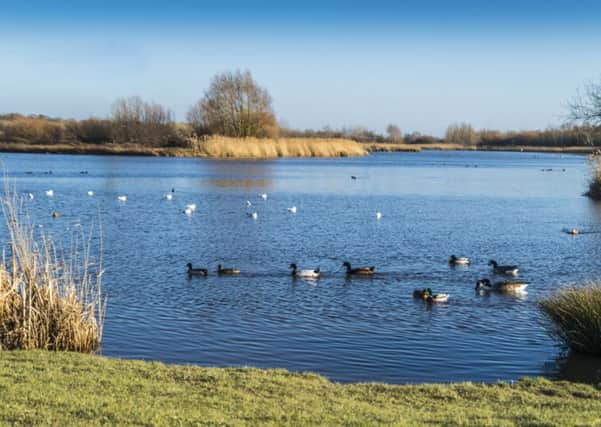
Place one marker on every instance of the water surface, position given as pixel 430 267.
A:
pixel 506 206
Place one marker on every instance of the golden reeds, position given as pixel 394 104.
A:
pixel 47 301
pixel 255 148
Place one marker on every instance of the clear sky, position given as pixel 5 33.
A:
pixel 419 64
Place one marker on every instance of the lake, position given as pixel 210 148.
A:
pixel 511 207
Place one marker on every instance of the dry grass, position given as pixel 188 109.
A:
pixel 253 148
pixel 576 313
pixel 46 301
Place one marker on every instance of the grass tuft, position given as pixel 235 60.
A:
pixel 576 314
pixel 46 301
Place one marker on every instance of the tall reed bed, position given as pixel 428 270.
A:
pixel 47 300
pixel 594 185
pixel 255 148
pixel 576 314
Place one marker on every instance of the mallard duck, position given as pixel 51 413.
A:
pixel 427 295
pixel 196 271
pixel 507 270
pixel 359 271
pixel 227 271
pixel 504 286
pixel 304 273
pixel 462 260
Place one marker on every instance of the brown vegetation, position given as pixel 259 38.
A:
pixel 46 301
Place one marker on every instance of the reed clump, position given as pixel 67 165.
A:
pixel 264 148
pixel 576 314
pixel 47 301
pixel 594 185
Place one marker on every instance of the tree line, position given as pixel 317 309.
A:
pixel 235 105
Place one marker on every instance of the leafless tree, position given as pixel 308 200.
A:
pixel 585 107
pixel 394 133
pixel 462 133
pixel 138 121
pixel 234 105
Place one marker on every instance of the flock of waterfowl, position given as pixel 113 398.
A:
pixel 426 294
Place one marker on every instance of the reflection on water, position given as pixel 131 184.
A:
pixel 578 367
pixel 349 329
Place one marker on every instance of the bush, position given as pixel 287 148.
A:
pixel 46 301
pixel 576 314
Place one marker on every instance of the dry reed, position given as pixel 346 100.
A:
pixel 576 313
pixel 47 301
pixel 254 148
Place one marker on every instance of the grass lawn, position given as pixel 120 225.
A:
pixel 39 387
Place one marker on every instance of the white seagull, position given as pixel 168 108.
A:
pixel 168 196
pixel 264 196
pixel 191 206
pixel 292 209
pixel 90 193
pixel 378 215
pixel 49 193
pixel 122 198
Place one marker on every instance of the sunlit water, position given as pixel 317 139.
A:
pixel 434 204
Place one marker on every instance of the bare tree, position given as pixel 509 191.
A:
pixel 234 105
pixel 462 133
pixel 138 121
pixel 585 108
pixel 394 133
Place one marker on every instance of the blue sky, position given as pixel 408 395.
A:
pixel 418 64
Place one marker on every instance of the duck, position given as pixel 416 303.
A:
pixel 427 295
pixel 49 193
pixel 253 215
pixel 55 215
pixel 168 196
pixel 359 271
pixel 30 195
pixel 90 193
pixel 263 196
pixel 505 286
pixel 248 203
pixel 188 211
pixel 191 206
pixel 292 209
pixel 227 271
pixel 573 231
pixel 122 198
pixel 462 260
pixel 305 273
pixel 507 270
pixel 196 271
pixel 353 177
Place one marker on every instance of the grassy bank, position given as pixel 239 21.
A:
pixel 392 147
pixel 213 147
pixel 67 388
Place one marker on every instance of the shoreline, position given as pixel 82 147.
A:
pixel 73 388
pixel 268 152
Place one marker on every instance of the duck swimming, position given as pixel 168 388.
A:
pixel 313 274
pixel 359 271
pixel 507 270
pixel 427 295
pixel 504 286
pixel 227 271
pixel 196 271
pixel 462 260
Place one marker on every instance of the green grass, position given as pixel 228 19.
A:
pixel 38 387
pixel 576 314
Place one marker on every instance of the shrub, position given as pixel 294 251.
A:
pixel 576 314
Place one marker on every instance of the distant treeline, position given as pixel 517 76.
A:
pixel 235 106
